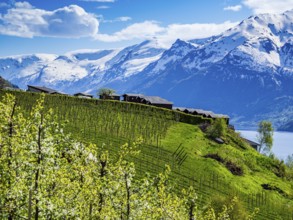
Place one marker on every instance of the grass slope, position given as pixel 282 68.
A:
pixel 214 178
pixel 167 140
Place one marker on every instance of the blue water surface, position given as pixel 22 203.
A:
pixel 283 142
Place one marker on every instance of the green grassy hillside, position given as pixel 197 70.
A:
pixel 216 171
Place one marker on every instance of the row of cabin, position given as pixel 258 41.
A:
pixel 42 89
pixel 204 113
pixel 148 100
pixel 138 98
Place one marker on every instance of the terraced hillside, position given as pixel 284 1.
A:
pixel 217 171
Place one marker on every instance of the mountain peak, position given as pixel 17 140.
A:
pixel 238 66
pixel 150 43
pixel 289 12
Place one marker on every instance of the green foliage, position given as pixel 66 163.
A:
pixel 231 166
pixel 12 135
pixel 218 128
pixel 234 138
pixel 190 119
pixel 45 174
pixel 234 209
pixel 265 136
pixel 289 161
pixel 105 92
pixel 116 123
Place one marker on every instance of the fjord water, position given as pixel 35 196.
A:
pixel 283 142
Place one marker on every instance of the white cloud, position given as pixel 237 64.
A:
pixel 124 18
pixel 26 21
pixel 144 30
pixel 103 7
pixel 269 6
pixel 233 8
pixel 193 31
pixel 23 5
pixel 166 35
pixel 119 19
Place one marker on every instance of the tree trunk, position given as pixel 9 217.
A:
pixel 102 174
pixel 39 143
pixel 30 205
pixel 128 196
pixel 191 214
pixel 10 155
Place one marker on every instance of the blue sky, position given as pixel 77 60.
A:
pixel 59 26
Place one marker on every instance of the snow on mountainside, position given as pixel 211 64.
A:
pixel 242 72
pixel 82 70
pixel 246 72
pixel 23 68
pixel 260 39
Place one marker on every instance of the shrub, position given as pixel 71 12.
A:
pixel 232 167
pixel 237 211
pixel 267 186
pixel 236 139
pixel 218 128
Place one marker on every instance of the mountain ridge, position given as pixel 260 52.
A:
pixel 246 72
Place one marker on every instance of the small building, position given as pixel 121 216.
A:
pixel 42 89
pixel 83 95
pixel 111 97
pixel 253 144
pixel 148 100
pixel 157 101
pixel 131 97
pixel 204 113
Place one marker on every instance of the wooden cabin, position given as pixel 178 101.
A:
pixel 148 100
pixel 157 101
pixel 203 113
pixel 111 97
pixel 42 89
pixel 131 97
pixel 83 95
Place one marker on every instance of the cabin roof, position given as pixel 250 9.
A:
pixel 132 94
pixel 45 89
pixel 117 95
pixel 83 94
pixel 179 108
pixel 251 142
pixel 151 99
pixel 156 100
pixel 202 112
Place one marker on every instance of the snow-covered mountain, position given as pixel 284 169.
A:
pixel 83 70
pixel 246 72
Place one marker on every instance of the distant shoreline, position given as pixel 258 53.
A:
pixel 283 142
